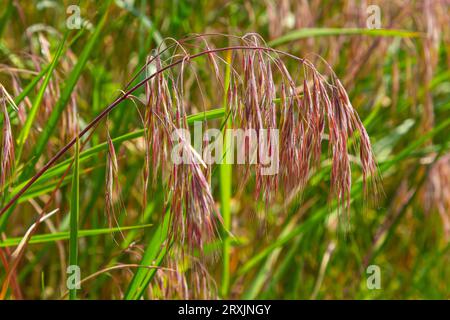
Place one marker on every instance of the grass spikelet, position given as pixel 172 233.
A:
pixel 7 141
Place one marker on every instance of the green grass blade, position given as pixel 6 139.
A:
pixel 321 32
pixel 65 235
pixel 216 113
pixel 74 215
pixel 153 255
pixel 225 192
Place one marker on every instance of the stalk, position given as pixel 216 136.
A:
pixel 226 172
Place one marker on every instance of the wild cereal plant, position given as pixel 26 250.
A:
pixel 311 110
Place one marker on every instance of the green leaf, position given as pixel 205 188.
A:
pixel 321 32
pixel 74 216
pixel 226 172
pixel 65 235
pixel 153 255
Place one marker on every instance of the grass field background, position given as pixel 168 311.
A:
pixel 55 79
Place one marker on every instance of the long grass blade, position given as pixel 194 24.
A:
pixel 225 192
pixel 154 254
pixel 322 32
pixel 74 216
pixel 65 235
